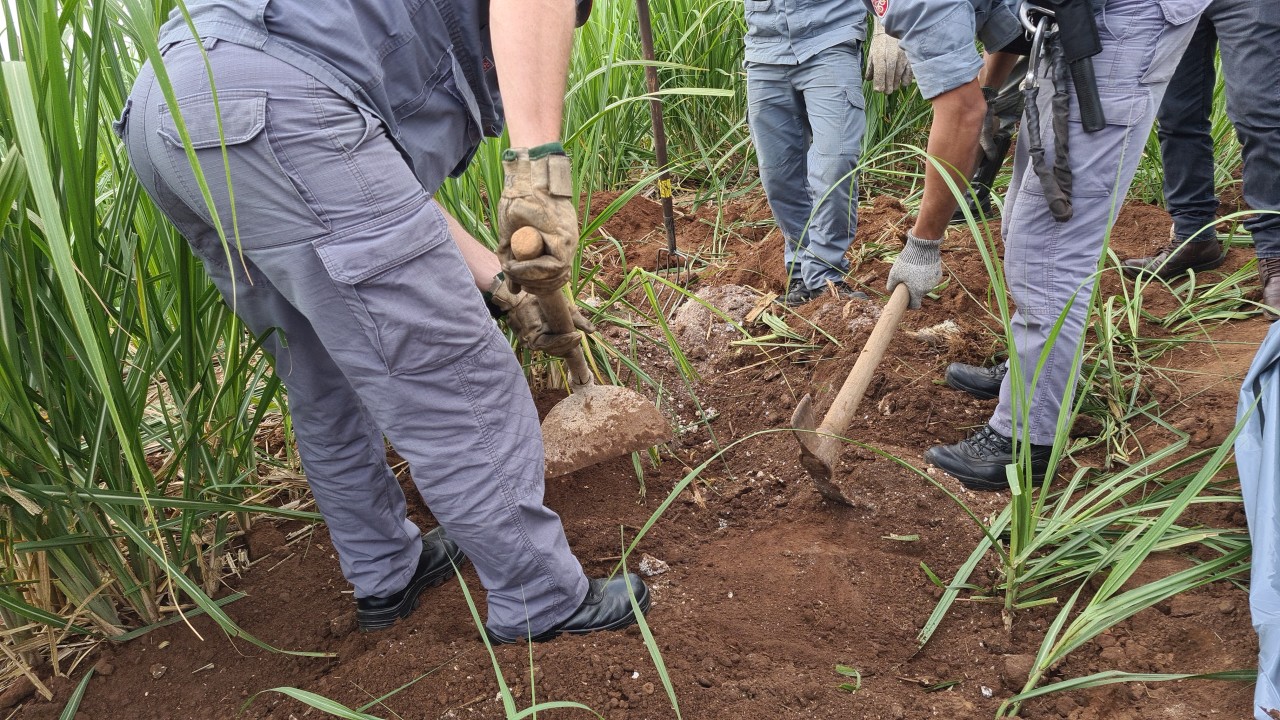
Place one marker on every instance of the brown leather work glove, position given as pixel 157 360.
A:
pixel 538 193
pixel 524 315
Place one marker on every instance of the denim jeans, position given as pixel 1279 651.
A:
pixel 807 122
pixel 1049 265
pixel 1248 34
pixel 347 267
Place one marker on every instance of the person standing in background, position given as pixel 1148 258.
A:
pixel 1247 32
pixel 805 111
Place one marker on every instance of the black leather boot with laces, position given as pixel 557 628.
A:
pixel 979 460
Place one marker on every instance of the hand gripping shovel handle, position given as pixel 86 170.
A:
pixel 526 244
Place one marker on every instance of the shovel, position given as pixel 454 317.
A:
pixel 820 444
pixel 596 422
pixel 670 261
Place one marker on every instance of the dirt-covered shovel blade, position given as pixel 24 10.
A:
pixel 597 422
pixel 819 443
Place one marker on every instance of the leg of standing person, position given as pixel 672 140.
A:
pixel 1249 40
pixel 1186 147
pixel 831 83
pixel 780 132
pixel 357 250
pixel 1049 265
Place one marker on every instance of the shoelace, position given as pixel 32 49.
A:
pixel 996 372
pixel 989 441
pixel 1270 267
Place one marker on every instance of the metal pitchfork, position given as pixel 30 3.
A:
pixel 677 266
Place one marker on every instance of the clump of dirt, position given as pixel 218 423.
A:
pixel 767 587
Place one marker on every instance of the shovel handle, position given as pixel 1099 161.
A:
pixel 855 386
pixel 527 244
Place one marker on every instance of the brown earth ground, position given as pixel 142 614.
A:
pixel 768 586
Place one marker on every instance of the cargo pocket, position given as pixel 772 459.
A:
pixel 408 288
pixel 1094 161
pixel 268 201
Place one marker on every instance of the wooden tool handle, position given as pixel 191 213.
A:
pixel 855 386
pixel 527 244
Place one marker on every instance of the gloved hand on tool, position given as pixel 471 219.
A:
pixel 887 64
pixel 919 267
pixel 524 315
pixel 987 138
pixel 538 193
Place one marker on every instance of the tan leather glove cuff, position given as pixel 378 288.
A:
pixel 551 174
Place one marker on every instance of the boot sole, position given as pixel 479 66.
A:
pixel 381 619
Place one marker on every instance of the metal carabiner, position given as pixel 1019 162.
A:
pixel 1039 29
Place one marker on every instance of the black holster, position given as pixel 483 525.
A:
pixel 1078 36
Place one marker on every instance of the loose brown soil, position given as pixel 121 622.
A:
pixel 768 587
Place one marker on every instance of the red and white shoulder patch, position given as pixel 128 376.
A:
pixel 880 6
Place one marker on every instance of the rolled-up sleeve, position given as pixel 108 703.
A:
pixel 938 38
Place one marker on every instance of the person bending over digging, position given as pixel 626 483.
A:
pixel 1049 260
pixel 339 120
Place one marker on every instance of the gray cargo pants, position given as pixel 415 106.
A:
pixel 807 123
pixel 1049 264
pixel 1248 33
pixel 378 328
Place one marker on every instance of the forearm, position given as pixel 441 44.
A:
pixel 996 68
pixel 531 44
pixel 953 143
pixel 480 260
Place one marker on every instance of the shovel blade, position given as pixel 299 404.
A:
pixel 599 423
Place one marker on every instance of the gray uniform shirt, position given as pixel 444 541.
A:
pixel 789 32
pixel 424 67
pixel 937 35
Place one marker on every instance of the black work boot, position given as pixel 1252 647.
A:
pixel 439 556
pixel 980 382
pixel 796 296
pixel 1269 272
pixel 1177 258
pixel 606 607
pixel 799 295
pixel 979 202
pixel 842 290
pixel 978 461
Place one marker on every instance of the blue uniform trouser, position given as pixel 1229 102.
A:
pixel 1248 34
pixel 807 123
pixel 1050 265
pixel 375 326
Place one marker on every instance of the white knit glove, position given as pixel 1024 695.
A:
pixel 887 64
pixel 919 267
